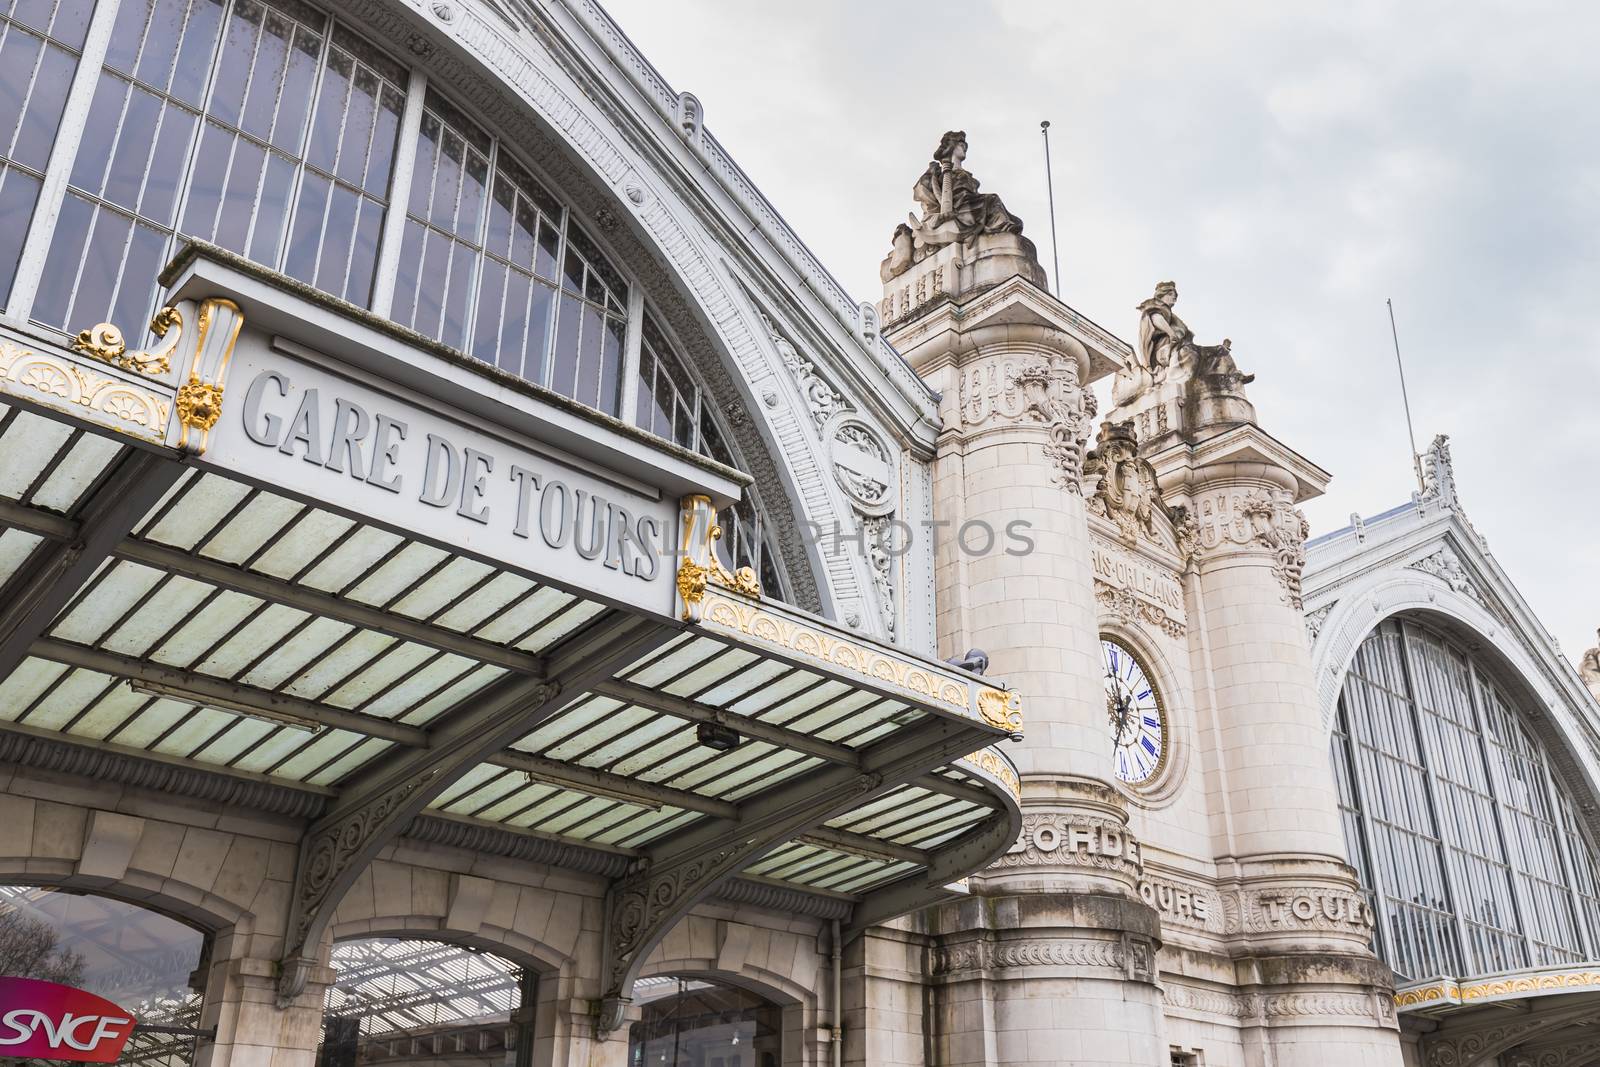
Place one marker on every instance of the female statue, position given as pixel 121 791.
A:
pixel 952 207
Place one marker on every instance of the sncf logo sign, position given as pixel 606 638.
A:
pixel 58 1022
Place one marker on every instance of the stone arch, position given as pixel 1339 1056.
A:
pixel 509 944
pixel 187 904
pixel 605 167
pixel 1362 607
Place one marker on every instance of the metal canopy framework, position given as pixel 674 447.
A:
pixel 164 609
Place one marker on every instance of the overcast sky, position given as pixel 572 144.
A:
pixel 1289 168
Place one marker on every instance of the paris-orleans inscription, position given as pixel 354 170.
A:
pixel 1121 571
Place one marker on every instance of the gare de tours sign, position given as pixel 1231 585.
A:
pixel 57 1022
pixel 400 459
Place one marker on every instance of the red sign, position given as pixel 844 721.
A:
pixel 58 1022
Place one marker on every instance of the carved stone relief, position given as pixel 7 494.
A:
pixel 1314 621
pixel 1446 566
pixel 1280 526
pixel 1050 394
pixel 1127 494
pixel 1079 841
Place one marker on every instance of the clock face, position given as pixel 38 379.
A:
pixel 1137 719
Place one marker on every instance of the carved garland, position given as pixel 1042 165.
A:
pixel 1276 523
pixel 1051 395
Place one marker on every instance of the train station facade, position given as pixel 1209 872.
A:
pixel 474 589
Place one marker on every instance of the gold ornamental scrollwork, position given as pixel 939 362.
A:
pixel 106 343
pixel 700 565
pixel 996 766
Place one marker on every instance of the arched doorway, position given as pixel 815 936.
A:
pixel 401 1001
pixel 699 1022
pixel 151 965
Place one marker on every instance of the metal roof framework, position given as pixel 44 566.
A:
pixel 201 630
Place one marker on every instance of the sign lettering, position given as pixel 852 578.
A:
pixel 58 1022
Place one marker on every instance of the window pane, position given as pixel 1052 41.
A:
pixel 18 193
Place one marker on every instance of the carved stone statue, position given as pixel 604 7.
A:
pixel 1161 332
pixel 1206 379
pixel 1589 667
pixel 953 210
pixel 952 207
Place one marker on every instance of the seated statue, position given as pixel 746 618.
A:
pixel 1167 353
pixel 952 207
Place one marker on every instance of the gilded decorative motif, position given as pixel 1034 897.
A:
pixel 199 403
pixel 200 400
pixel 996 766
pixel 691 586
pixel 1000 707
pixel 106 343
pixel 67 382
pixel 879 665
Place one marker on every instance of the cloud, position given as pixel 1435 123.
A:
pixel 1291 168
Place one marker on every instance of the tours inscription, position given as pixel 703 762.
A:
pixel 411 466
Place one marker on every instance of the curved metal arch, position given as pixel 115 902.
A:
pixel 1361 608
pixel 617 178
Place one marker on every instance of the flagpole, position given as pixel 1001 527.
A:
pixel 1416 459
pixel 1050 188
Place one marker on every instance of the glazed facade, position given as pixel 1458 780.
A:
pixel 416 647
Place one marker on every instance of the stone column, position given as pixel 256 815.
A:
pixel 241 995
pixel 1298 924
pixel 1052 960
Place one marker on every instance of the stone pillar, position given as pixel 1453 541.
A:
pixel 241 995
pixel 1298 925
pixel 1052 959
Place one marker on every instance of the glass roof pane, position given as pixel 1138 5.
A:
pixel 438 673
pixel 169 603
pixel 362 754
pixel 270 752
pixel 302 543
pixel 76 473
pixel 397 574
pixel 28 446
pixel 337 663
pixel 15 548
pixel 151 723
pixel 495 596
pixel 576 718
pixel 109 712
pixel 524 615
pixel 287 661
pixel 354 556
pixel 234 741
pixel 204 505
pixel 118 589
pixel 244 534
pixel 196 636
pixel 330 744
pixel 31 678
pixel 606 726
pixel 255 638
pixel 429 598
pixel 453 694
pixel 200 726
pixel 70 696
pixel 403 657
pixel 560 626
